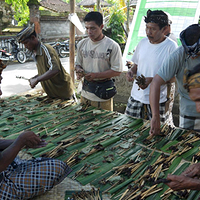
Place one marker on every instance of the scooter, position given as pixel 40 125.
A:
pixel 4 55
pixel 56 46
pixel 63 49
pixel 17 52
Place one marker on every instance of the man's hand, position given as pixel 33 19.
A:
pixel 29 139
pixel 130 76
pixel 79 72
pixel 90 76
pixel 155 126
pixel 182 182
pixel 193 171
pixel 147 81
pixel 129 64
pixel 33 82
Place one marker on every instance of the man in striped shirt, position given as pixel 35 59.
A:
pixel 55 81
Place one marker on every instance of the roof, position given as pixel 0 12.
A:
pixel 133 3
pixel 13 29
pixel 91 3
pixel 58 6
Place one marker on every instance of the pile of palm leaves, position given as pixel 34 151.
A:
pixel 111 151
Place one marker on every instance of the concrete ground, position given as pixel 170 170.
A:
pixel 11 85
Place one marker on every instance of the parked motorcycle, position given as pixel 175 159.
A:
pixel 55 45
pixel 62 48
pixel 5 56
pixel 17 52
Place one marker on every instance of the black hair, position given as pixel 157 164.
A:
pixel 192 34
pixel 94 16
pixel 190 39
pixel 157 16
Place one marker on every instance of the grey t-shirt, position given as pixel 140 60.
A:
pixel 175 65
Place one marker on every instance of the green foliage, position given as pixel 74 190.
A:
pixel 116 20
pixel 112 2
pixel 85 9
pixel 21 10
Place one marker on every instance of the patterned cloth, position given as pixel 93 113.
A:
pixel 24 179
pixel 25 33
pixel 192 81
pixel 188 122
pixel 139 110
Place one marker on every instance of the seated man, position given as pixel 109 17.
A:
pixel 55 81
pixel 189 179
pixel 24 179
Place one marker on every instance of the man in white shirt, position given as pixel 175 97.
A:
pixel 148 57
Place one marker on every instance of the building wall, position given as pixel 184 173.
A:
pixel 55 28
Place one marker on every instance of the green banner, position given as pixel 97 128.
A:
pixel 183 13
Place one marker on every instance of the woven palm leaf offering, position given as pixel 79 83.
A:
pixel 108 150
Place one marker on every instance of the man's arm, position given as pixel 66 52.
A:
pixel 102 75
pixel 192 171
pixel 25 139
pixel 183 182
pixel 131 74
pixel 47 75
pixel 154 98
pixel 5 143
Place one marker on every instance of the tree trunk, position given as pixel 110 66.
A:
pixel 34 14
pixel 5 15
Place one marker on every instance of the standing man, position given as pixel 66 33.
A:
pixel 147 59
pixel 55 81
pixel 99 58
pixel 168 32
pixel 186 57
pixel 189 179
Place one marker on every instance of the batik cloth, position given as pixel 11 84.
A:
pixel 137 109
pixel 189 122
pixel 24 179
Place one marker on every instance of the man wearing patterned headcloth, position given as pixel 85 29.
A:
pixel 191 81
pixel 149 55
pixel 189 179
pixel 55 81
pixel 184 59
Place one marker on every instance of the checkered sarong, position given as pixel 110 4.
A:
pixel 140 110
pixel 24 179
pixel 189 122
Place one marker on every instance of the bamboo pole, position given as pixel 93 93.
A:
pixel 127 25
pixel 72 41
pixel 98 5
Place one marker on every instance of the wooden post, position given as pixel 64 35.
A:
pixel 128 15
pixel 98 5
pixel 72 42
